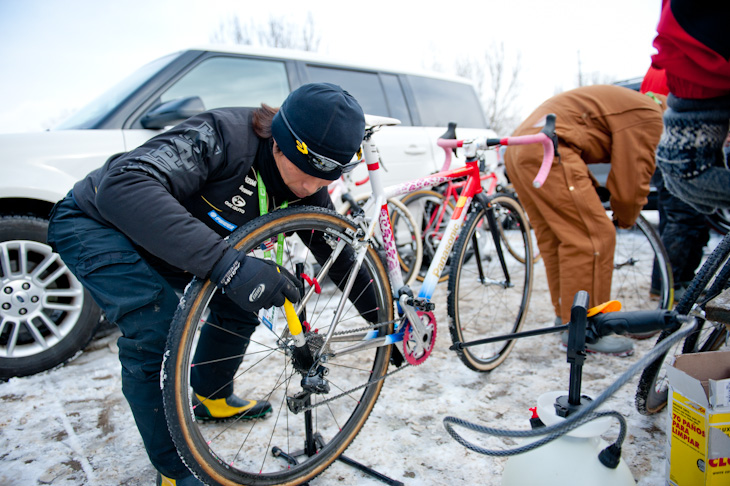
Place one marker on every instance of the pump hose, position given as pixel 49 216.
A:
pixel 584 415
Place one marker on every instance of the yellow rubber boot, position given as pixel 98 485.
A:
pixel 229 408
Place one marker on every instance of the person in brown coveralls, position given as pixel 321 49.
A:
pixel 595 124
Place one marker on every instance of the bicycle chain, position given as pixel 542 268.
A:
pixel 367 328
pixel 286 334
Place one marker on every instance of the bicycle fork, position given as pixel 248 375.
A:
pixel 492 222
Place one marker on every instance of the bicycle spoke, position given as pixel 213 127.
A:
pixel 489 288
pixel 321 412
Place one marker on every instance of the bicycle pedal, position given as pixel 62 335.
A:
pixel 422 304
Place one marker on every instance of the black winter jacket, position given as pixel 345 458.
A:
pixel 181 192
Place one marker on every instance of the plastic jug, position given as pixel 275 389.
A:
pixel 571 459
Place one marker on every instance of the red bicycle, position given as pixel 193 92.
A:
pixel 432 208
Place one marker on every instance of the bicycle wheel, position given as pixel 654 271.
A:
pixel 708 336
pixel 266 451
pixel 489 289
pixel 652 391
pixel 427 209
pixel 639 251
pixel 406 234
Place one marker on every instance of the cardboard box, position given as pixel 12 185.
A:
pixel 699 421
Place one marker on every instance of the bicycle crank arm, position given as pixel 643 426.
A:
pixel 417 327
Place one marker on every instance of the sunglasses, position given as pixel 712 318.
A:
pixel 320 162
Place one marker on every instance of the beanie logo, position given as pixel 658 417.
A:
pixel 302 147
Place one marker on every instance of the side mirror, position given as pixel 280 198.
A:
pixel 172 112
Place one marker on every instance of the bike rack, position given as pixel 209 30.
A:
pixel 564 405
pixel 313 442
pixel 318 442
pixel 602 324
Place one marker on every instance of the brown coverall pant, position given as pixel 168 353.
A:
pixel 575 236
pixel 595 124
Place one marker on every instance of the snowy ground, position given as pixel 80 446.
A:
pixel 72 426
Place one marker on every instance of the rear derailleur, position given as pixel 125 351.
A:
pixel 313 382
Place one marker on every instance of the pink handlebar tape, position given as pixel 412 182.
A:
pixel 547 153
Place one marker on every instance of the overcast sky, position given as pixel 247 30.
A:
pixel 59 55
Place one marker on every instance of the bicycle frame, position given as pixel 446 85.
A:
pixel 452 190
pixel 472 188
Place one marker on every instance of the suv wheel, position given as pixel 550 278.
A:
pixel 46 316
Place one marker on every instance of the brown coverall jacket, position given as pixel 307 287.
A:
pixel 576 238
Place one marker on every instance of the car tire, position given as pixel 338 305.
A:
pixel 46 316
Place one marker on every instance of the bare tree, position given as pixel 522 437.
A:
pixel 498 86
pixel 277 32
pixel 593 77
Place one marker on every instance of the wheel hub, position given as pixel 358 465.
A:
pixel 20 299
pixel 40 301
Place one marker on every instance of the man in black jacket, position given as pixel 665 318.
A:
pixel 139 228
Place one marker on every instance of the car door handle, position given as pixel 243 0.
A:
pixel 415 150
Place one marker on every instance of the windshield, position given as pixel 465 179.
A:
pixel 88 116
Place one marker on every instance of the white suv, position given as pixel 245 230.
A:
pixel 45 315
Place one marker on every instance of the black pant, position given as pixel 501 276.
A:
pixel 683 232
pixel 140 295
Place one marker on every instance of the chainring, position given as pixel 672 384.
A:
pixel 409 347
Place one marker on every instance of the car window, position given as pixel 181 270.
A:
pixel 441 101
pixel 396 99
pixel 97 110
pixel 231 81
pixel 367 89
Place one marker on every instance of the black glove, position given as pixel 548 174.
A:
pixel 253 283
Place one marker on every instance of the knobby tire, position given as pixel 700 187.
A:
pixel 481 303
pixel 242 452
